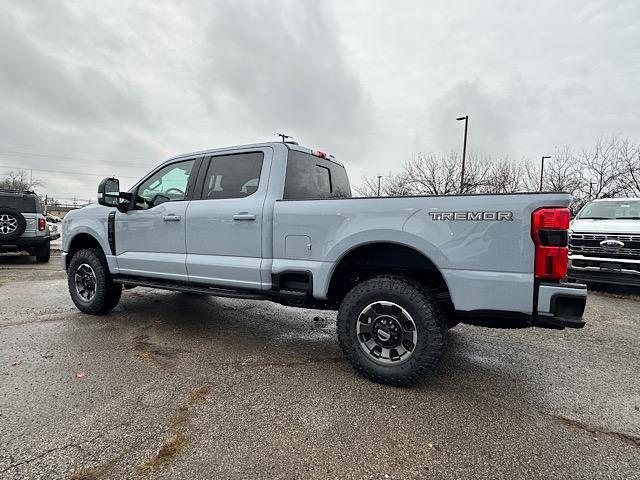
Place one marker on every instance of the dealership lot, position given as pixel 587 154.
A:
pixel 175 386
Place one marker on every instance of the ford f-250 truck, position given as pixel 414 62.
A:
pixel 276 221
pixel 604 242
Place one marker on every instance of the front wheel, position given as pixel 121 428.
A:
pixel 90 285
pixel 391 330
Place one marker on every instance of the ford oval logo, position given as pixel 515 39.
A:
pixel 612 244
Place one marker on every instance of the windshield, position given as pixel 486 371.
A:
pixel 612 210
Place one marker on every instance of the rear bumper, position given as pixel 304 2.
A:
pixel 560 305
pixel 596 269
pixel 22 243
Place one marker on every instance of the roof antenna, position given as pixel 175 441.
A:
pixel 283 136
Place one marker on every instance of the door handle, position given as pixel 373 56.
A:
pixel 172 218
pixel 244 216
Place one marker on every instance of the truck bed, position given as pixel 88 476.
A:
pixel 487 263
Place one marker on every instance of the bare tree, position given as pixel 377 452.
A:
pixel 19 180
pixel 434 174
pixel 629 157
pixel 504 176
pixel 391 185
pixel 602 166
pixel 562 172
pixel 610 168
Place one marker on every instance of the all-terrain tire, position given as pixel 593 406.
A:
pixel 43 253
pixel 13 224
pixel 114 296
pixel 452 323
pixel 430 325
pixel 107 293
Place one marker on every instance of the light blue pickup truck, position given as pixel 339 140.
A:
pixel 276 221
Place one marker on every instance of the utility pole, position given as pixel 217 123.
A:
pixel 464 149
pixel 283 136
pixel 542 169
pixel 379 179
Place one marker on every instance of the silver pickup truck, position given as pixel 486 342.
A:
pixel 276 221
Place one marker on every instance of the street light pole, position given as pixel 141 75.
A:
pixel 542 169
pixel 379 178
pixel 464 149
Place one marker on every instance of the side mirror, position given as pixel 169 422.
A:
pixel 109 192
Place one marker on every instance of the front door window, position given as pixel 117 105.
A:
pixel 170 183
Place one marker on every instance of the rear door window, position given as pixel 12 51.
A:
pixel 232 176
pixel 311 177
pixel 21 203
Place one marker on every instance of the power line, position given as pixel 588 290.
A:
pixel 6 153
pixel 65 173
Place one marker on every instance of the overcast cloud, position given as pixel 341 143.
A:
pixel 116 87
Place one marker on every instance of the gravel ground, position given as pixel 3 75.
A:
pixel 176 386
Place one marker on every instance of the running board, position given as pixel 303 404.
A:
pixel 190 288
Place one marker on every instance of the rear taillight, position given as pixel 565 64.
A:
pixel 549 232
pixel 42 224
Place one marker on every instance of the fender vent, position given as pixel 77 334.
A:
pixel 111 232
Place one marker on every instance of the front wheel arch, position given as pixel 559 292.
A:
pixel 79 242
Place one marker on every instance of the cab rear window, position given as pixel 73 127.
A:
pixel 21 203
pixel 310 177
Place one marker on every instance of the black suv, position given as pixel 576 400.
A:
pixel 23 224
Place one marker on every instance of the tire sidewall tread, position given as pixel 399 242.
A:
pixel 107 293
pixel 430 322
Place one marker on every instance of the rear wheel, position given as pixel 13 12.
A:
pixel 43 253
pixel 391 330
pixel 90 284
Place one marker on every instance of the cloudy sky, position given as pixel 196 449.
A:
pixel 97 88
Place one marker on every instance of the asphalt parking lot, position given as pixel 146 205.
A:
pixel 175 386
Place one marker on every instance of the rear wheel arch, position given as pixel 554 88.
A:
pixel 384 258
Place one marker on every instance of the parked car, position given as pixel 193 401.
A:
pixel 604 242
pixel 54 231
pixel 23 226
pixel 276 221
